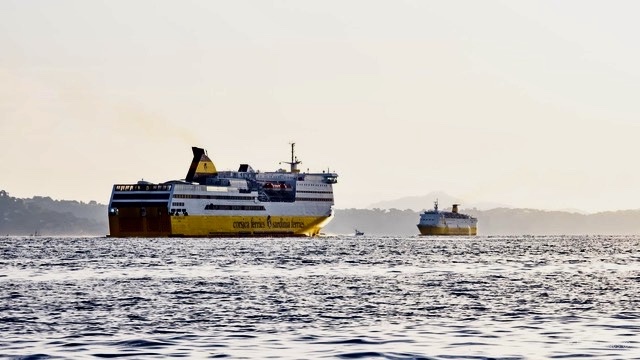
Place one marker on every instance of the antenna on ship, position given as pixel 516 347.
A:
pixel 294 160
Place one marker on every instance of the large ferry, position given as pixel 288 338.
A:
pixel 211 203
pixel 436 222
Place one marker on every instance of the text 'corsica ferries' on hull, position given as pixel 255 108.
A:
pixel 211 203
pixel 435 222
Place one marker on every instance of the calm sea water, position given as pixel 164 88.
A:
pixel 331 297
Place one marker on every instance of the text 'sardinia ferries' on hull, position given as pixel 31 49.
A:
pixel 209 203
pixel 435 222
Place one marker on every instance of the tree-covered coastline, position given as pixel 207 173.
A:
pixel 44 216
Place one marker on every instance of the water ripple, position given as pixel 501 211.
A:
pixel 499 297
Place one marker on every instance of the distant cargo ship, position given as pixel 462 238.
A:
pixel 436 222
pixel 211 203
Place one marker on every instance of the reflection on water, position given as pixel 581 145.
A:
pixel 331 297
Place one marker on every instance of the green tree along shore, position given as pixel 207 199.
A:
pixel 49 217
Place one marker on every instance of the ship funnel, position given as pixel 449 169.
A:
pixel 201 167
pixel 455 208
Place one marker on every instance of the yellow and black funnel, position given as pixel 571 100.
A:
pixel 201 166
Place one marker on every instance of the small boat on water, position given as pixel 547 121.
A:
pixel 359 233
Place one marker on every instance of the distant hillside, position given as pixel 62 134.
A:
pixel 500 221
pixel 424 202
pixel 50 217
pixel 64 217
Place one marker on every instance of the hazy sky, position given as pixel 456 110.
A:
pixel 528 103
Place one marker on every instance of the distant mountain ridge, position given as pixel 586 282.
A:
pixel 498 221
pixel 425 202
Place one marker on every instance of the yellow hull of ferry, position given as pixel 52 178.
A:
pixel 247 225
pixel 217 226
pixel 442 230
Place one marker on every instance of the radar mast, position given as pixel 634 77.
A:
pixel 294 160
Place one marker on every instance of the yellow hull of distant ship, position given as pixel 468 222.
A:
pixel 443 230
